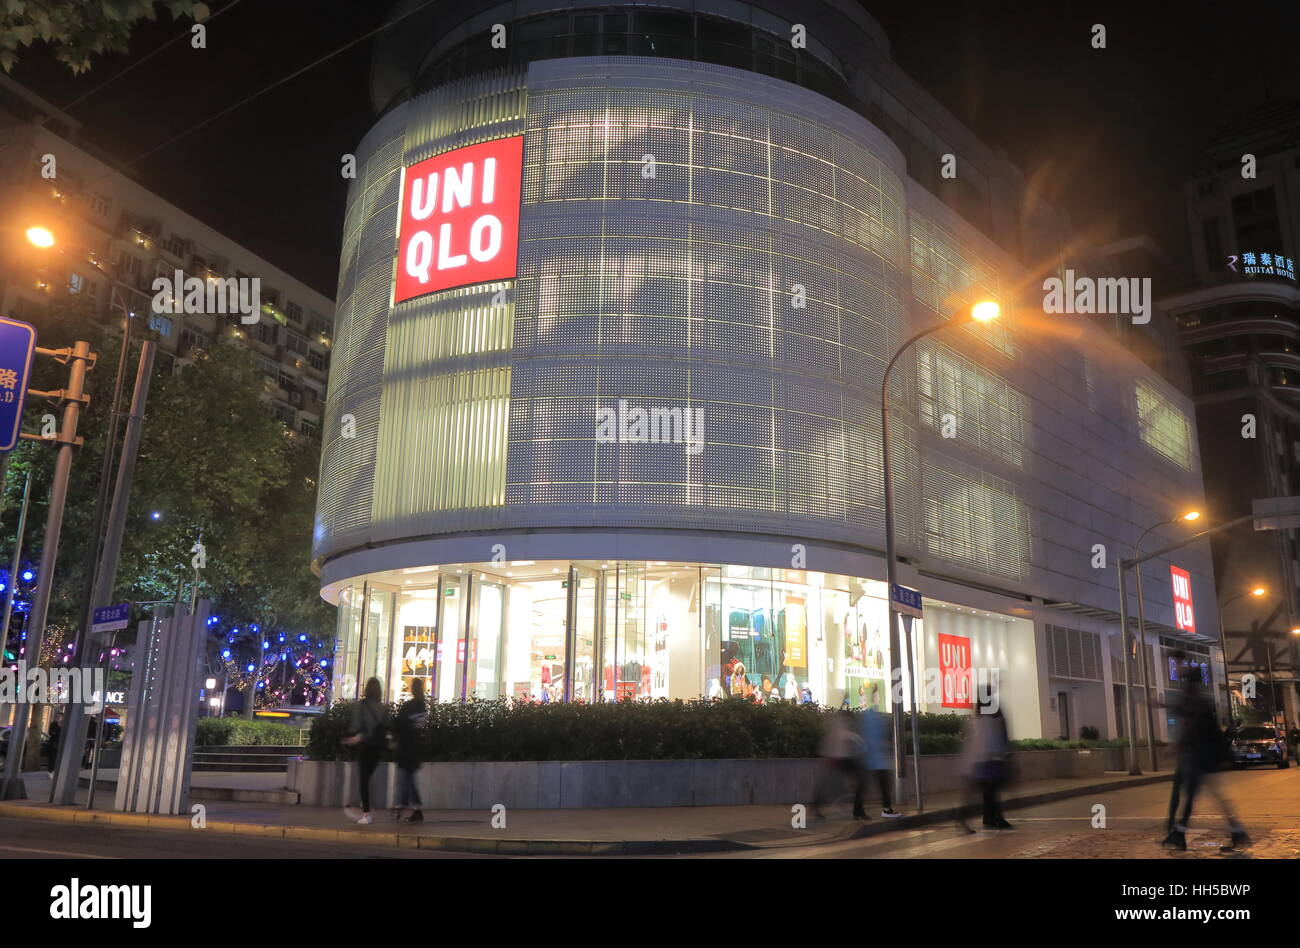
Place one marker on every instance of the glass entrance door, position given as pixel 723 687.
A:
pixel 580 645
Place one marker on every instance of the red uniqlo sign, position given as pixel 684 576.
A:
pixel 460 218
pixel 1183 614
pixel 954 665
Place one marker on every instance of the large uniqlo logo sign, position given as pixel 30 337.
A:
pixel 460 218
pixel 1183 614
pixel 954 665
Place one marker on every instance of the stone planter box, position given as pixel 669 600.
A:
pixel 637 783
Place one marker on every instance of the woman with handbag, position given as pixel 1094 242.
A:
pixel 369 736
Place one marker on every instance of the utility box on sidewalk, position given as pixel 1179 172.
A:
pixel 154 776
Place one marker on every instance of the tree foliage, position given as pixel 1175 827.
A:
pixel 78 29
pixel 213 463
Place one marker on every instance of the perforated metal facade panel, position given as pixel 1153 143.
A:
pixel 696 237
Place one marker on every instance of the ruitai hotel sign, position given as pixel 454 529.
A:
pixel 459 221
pixel 1253 263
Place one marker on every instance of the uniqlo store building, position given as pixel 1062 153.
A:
pixel 615 304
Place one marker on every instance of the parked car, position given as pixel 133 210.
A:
pixel 4 742
pixel 1260 744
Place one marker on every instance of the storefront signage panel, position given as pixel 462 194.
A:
pixel 459 220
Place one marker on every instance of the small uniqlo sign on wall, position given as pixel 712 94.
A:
pixel 1183 614
pixel 954 665
pixel 459 220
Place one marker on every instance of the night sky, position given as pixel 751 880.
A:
pixel 1109 133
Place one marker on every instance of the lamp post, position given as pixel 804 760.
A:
pixel 1147 685
pixel 1256 591
pixel 982 311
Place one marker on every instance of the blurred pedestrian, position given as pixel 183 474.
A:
pixel 841 758
pixel 877 761
pixel 1201 750
pixel 369 735
pixel 52 748
pixel 984 765
pixel 408 726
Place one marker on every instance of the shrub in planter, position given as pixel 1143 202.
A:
pixel 232 732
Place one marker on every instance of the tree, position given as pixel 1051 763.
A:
pixel 77 29
pixel 213 463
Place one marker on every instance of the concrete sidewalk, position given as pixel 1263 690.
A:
pixel 624 831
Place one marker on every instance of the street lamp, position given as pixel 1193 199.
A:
pixel 982 311
pixel 1256 591
pixel 40 237
pixel 1148 686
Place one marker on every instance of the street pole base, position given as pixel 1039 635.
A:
pixel 1135 771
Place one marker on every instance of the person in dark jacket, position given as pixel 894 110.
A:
pixel 369 736
pixel 1201 750
pixel 407 728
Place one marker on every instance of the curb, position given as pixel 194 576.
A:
pixel 545 847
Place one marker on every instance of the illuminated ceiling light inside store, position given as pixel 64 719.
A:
pixel 524 563
pixel 985 310
pixel 420 569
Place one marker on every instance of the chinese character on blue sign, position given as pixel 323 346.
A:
pixel 17 346
pixel 907 601
pixel 108 618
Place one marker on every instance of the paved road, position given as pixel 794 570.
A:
pixel 1267 800
pixel 42 839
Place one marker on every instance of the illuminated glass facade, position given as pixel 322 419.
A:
pixel 707 243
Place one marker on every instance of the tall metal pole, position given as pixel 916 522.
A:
pixel 891 576
pixel 63 789
pixel 1146 663
pixel 88 599
pixel 72 401
pixel 1134 768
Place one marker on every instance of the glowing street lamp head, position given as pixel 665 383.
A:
pixel 1258 591
pixel 1296 631
pixel 1192 515
pixel 40 237
pixel 985 310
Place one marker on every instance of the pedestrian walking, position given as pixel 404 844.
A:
pixel 369 735
pixel 1201 750
pixel 877 761
pixel 984 765
pixel 841 757
pixel 52 748
pixel 408 727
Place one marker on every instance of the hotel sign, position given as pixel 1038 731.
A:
pixel 1254 263
pixel 1183 614
pixel 459 218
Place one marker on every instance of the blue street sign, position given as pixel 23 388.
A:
pixel 108 618
pixel 906 600
pixel 17 346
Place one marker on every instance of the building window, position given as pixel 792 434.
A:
pixel 1163 427
pixel 265 332
pixel 162 325
pixel 1213 244
pixel 287 381
pixel 76 282
pixel 316 360
pixel 293 311
pixel 310 428
pixel 295 342
pixel 192 337
pixel 285 414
